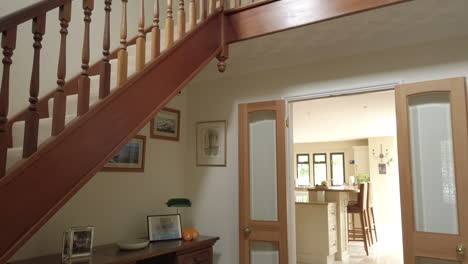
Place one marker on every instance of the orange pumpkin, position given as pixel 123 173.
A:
pixel 190 234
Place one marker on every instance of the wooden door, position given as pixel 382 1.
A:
pixel 262 183
pixel 433 159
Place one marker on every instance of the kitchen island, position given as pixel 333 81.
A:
pixel 341 196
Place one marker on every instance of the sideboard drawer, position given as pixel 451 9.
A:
pixel 204 256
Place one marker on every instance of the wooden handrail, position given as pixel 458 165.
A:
pixel 28 13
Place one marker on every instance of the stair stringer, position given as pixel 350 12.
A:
pixel 37 187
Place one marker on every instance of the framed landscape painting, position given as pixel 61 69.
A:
pixel 211 143
pixel 130 158
pixel 166 124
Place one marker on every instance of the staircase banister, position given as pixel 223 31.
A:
pixel 71 88
pixel 28 13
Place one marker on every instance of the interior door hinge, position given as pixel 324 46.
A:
pixel 287 122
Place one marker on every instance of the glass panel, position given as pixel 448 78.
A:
pixel 320 157
pixel 264 253
pixel 320 173
pixel 338 174
pixel 420 260
pixel 262 151
pixel 434 190
pixel 302 158
pixel 303 171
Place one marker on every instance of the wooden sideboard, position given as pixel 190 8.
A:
pixel 199 251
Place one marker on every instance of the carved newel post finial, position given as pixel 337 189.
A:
pixel 222 57
pixel 221 63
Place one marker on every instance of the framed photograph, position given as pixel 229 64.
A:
pixel 130 158
pixel 166 124
pixel 77 242
pixel 211 143
pixel 382 168
pixel 164 227
pixel 66 246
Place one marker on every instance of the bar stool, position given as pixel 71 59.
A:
pixel 362 233
pixel 370 213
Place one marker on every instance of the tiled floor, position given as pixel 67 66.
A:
pixel 388 250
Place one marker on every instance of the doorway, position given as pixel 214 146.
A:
pixel 339 142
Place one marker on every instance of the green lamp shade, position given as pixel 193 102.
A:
pixel 179 202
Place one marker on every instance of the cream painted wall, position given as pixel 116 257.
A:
pixel 117 203
pixel 386 189
pixel 329 147
pixel 214 191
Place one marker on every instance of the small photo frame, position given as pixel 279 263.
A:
pixel 164 227
pixel 211 143
pixel 382 168
pixel 78 242
pixel 131 158
pixel 166 124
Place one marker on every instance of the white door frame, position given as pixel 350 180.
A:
pixel 290 146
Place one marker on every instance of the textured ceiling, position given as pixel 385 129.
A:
pixel 345 117
pixel 400 25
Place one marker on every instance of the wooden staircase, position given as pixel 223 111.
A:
pixel 51 149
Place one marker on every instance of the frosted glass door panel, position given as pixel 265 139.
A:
pixel 420 260
pixel 432 160
pixel 264 253
pixel 262 152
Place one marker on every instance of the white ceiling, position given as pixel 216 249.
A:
pixel 345 117
pixel 399 25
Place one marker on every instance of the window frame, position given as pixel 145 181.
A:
pixel 320 162
pixel 331 167
pixel 297 165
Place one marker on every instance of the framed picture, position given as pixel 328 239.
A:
pixel 166 124
pixel 77 242
pixel 382 168
pixel 211 143
pixel 164 227
pixel 130 158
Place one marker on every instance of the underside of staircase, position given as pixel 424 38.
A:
pixel 35 187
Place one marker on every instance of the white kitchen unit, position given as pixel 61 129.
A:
pixel 316 232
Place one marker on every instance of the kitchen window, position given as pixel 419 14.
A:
pixel 303 170
pixel 320 168
pixel 337 161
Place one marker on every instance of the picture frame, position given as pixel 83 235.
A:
pixel 382 168
pixel 77 243
pixel 164 227
pixel 166 124
pixel 211 140
pixel 131 158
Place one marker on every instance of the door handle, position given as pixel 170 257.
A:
pixel 247 230
pixel 460 250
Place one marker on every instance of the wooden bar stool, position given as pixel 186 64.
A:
pixel 360 208
pixel 370 213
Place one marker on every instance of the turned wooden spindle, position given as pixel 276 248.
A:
pixel 237 3
pixel 31 128
pixel 122 55
pixel 192 15
pixel 60 100
pixel 169 26
pixel 212 6
pixel 8 46
pixel 84 82
pixel 104 82
pixel 155 32
pixel 203 10
pixel 225 4
pixel 181 19
pixel 141 39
